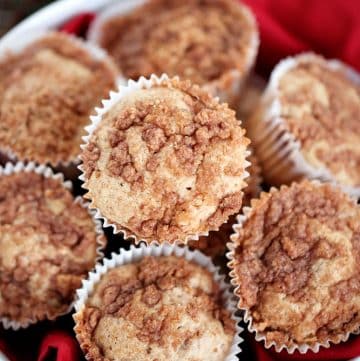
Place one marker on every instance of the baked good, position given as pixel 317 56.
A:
pixel 159 308
pixel 295 265
pixel 164 161
pixel 214 245
pixel 47 92
pixel 308 124
pixel 48 244
pixel 212 43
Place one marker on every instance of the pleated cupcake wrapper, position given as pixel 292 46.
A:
pixel 47 172
pixel 115 97
pixel 227 88
pixel 135 254
pixel 70 167
pixel 259 335
pixel 278 149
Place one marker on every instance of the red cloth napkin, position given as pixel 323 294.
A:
pixel 330 27
pixel 65 346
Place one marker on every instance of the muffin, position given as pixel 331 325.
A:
pixel 164 161
pixel 214 245
pixel 250 97
pixel 295 264
pixel 157 308
pixel 308 124
pixel 47 92
pixel 48 244
pixel 212 43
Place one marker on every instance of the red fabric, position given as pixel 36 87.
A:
pixel 330 27
pixel 5 350
pixel 79 24
pixel 66 347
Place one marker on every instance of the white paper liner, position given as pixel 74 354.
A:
pixel 3 357
pixel 47 172
pixel 115 97
pixel 136 253
pixel 68 168
pixel 278 149
pixel 227 87
pixel 261 336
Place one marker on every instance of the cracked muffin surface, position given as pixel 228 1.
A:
pixel 47 246
pixel 204 41
pixel 214 245
pixel 167 162
pixel 160 308
pixel 321 108
pixel 47 92
pixel 296 264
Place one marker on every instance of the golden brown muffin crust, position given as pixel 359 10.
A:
pixel 214 245
pixel 321 107
pixel 47 245
pixel 141 299
pixel 47 93
pixel 296 262
pixel 175 144
pixel 200 40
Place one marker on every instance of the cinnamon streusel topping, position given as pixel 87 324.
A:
pixel 47 93
pixel 199 40
pixel 166 162
pixel 321 107
pixel 47 245
pixel 163 308
pixel 296 262
pixel 214 244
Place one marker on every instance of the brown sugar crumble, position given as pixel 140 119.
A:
pixel 47 93
pixel 214 245
pixel 163 308
pixel 166 162
pixel 321 108
pixel 47 245
pixel 296 262
pixel 199 40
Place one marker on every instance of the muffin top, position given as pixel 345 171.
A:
pixel 199 40
pixel 47 245
pixel 296 261
pixel 321 107
pixel 47 92
pixel 161 308
pixel 167 162
pixel 214 244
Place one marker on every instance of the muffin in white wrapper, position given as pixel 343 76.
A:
pixel 213 44
pixel 293 265
pixel 308 123
pixel 50 83
pixel 164 161
pixel 153 297
pixel 43 252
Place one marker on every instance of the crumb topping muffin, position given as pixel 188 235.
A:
pixel 308 123
pixel 47 92
pixel 321 107
pixel 160 308
pixel 296 264
pixel 47 246
pixel 166 163
pixel 214 245
pixel 204 41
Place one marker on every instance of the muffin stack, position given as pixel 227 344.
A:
pixel 146 109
